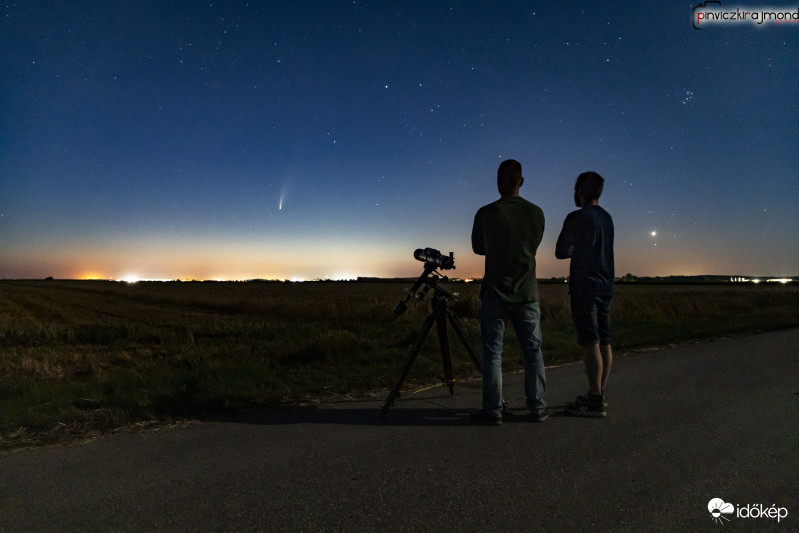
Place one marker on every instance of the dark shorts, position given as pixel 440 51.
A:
pixel 591 320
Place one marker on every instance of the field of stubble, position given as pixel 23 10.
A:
pixel 88 357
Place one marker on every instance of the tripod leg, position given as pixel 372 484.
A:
pixel 456 325
pixel 446 353
pixel 428 323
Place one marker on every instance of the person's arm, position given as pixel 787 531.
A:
pixel 478 236
pixel 565 245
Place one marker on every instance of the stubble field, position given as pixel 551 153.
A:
pixel 88 357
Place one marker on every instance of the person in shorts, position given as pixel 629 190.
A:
pixel 587 238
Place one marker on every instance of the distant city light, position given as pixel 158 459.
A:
pixel 132 278
pixel 342 276
pixel 740 279
pixel 92 276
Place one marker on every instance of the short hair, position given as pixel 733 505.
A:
pixel 591 185
pixel 509 172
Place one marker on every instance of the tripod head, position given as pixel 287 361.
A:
pixel 433 260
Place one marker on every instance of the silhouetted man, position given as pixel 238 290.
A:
pixel 507 232
pixel 587 238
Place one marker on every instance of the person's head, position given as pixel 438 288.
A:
pixel 509 178
pixel 588 188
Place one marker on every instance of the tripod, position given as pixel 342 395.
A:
pixel 441 316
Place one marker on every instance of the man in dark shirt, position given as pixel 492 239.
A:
pixel 587 238
pixel 507 232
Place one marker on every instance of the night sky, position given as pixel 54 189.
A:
pixel 330 139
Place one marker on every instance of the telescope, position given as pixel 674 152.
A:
pixel 440 316
pixel 432 257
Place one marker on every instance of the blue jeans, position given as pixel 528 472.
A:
pixel 526 319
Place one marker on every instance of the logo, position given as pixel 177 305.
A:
pixel 720 511
pixel 711 13
pixel 718 508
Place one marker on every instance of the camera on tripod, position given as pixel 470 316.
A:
pixel 435 258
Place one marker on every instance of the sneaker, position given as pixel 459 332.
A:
pixel 539 416
pixel 588 405
pixel 584 398
pixel 484 417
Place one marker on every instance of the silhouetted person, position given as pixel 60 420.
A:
pixel 507 232
pixel 587 238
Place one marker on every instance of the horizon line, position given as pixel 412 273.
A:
pixel 627 278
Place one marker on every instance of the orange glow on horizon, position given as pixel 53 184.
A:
pixel 93 276
pixel 235 261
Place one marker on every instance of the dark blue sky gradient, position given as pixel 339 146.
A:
pixel 331 139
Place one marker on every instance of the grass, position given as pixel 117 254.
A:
pixel 86 357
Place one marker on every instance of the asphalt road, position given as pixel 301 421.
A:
pixel 685 425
